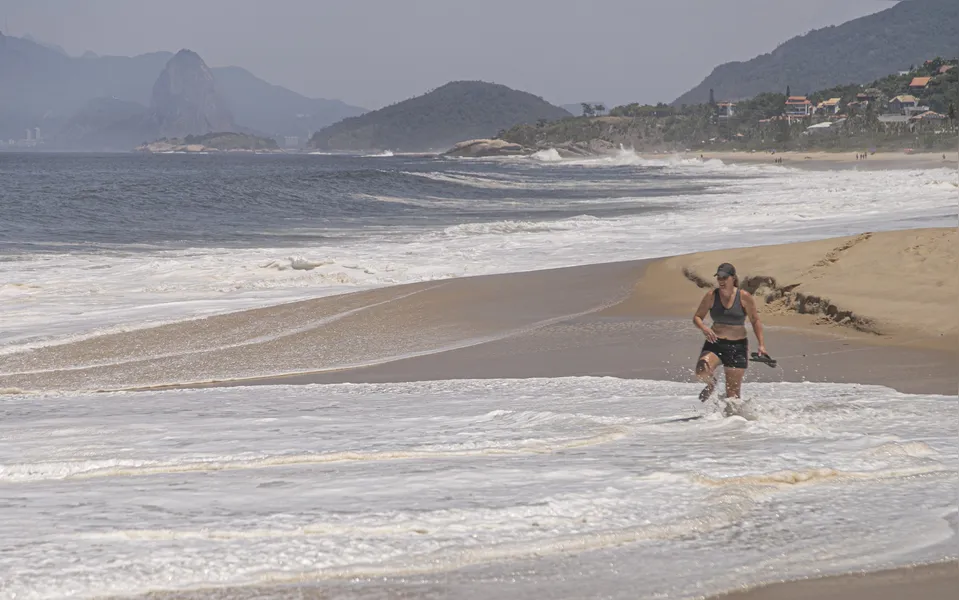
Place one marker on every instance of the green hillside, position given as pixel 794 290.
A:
pixel 457 111
pixel 758 123
pixel 858 51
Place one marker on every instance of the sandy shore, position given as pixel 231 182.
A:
pixel 882 312
pixel 927 582
pixel 820 160
pixel 633 319
pixel 900 286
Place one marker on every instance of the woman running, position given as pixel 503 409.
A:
pixel 727 340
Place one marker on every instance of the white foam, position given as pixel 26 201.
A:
pixel 511 227
pixel 548 155
pixel 290 483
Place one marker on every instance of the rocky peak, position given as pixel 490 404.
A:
pixel 185 100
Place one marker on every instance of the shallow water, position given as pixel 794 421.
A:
pixel 187 489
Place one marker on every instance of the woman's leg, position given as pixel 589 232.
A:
pixel 706 372
pixel 734 381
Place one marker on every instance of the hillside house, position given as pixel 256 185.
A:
pixel 726 110
pixel 902 104
pixel 829 107
pixel 824 127
pixel 928 115
pixel 919 83
pixel 869 95
pixel 798 107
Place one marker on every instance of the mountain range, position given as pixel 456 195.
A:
pixel 111 102
pixel 41 86
pixel 857 51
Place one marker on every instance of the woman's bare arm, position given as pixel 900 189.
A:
pixel 701 314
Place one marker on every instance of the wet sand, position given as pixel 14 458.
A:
pixel 566 576
pixel 908 342
pixel 927 582
pixel 627 319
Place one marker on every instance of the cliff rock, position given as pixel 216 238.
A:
pixel 185 100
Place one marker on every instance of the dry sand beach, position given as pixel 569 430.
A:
pixel 821 160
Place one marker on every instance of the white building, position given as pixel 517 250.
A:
pixel 798 107
pixel 726 110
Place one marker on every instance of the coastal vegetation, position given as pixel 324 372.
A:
pixel 224 141
pixel 847 117
pixel 858 51
pixel 229 140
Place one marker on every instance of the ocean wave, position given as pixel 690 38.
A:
pixel 548 155
pixel 296 263
pixel 815 476
pixel 87 469
pixel 518 227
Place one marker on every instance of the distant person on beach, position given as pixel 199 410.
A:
pixel 727 341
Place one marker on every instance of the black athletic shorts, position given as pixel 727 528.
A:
pixel 732 353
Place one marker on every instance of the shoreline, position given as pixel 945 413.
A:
pixel 934 581
pixel 937 581
pixel 646 332
pixel 627 319
pixel 820 160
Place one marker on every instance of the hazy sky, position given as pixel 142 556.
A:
pixel 375 52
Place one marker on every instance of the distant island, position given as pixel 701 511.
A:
pixel 212 142
pixel 453 112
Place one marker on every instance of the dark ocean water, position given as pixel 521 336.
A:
pixel 64 202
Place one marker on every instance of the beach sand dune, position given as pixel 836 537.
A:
pixel 900 285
